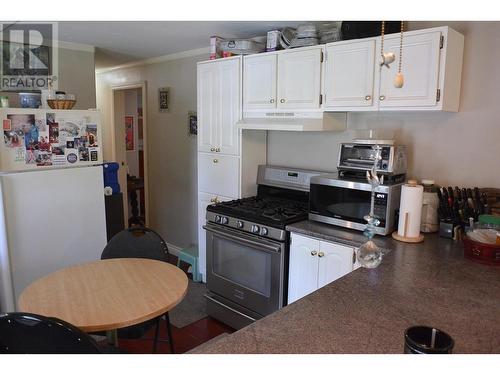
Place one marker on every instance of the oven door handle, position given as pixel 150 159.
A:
pixel 243 240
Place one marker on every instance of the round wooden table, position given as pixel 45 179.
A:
pixel 107 294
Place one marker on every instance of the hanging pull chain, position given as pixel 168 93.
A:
pixel 386 58
pixel 399 79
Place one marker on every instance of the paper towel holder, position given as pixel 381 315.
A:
pixel 397 237
pixel 405 238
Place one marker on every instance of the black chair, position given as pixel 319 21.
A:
pixel 24 333
pixel 140 242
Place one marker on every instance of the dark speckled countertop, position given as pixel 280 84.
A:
pixel 368 310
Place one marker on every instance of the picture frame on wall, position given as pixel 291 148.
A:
pixel 192 123
pixel 129 133
pixel 163 99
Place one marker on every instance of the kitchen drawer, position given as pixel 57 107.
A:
pixel 218 174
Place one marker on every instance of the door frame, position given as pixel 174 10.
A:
pixel 143 86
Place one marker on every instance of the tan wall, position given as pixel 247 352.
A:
pixel 171 151
pixel 453 148
pixel 76 76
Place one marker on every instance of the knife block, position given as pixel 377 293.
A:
pixel 446 229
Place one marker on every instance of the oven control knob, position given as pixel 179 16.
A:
pixel 255 229
pixel 240 224
pixel 224 220
pixel 217 219
pixel 264 231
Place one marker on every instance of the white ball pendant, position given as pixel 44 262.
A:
pixel 399 80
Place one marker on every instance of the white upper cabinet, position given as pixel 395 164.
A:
pixel 420 67
pixel 259 82
pixel 299 79
pixel 349 74
pixel 219 106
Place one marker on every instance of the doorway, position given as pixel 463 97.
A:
pixel 130 151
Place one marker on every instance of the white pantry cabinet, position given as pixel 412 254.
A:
pixel 227 156
pixel 218 174
pixel 289 79
pixel 350 74
pixel 315 263
pixel 219 105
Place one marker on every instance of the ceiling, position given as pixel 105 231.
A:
pixel 119 42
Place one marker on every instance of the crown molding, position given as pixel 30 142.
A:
pixel 158 59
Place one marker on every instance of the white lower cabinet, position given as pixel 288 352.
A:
pixel 315 263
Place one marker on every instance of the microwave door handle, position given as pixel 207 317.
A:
pixel 259 245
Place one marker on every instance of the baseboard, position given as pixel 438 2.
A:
pixel 174 250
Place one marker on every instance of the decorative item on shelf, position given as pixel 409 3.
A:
pixel 30 99
pixel 370 254
pixel 163 99
pixel 61 104
pixel 399 79
pixel 192 123
pixel 386 58
pixel 4 102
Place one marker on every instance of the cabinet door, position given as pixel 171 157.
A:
pixel 259 82
pixel 334 262
pixel 303 269
pixel 229 106
pixel 299 79
pixel 349 74
pixel 420 69
pixel 219 174
pixel 204 199
pixel 208 106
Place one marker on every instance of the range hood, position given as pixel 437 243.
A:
pixel 327 121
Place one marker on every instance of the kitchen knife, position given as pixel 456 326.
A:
pixel 451 195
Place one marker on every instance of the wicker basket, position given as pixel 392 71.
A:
pixel 61 104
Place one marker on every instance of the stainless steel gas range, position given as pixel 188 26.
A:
pixel 247 246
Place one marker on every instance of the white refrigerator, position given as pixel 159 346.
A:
pixel 52 211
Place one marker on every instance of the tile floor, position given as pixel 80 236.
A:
pixel 185 338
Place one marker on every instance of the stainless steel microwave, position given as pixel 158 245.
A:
pixel 345 203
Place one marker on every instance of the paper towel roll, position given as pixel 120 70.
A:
pixel 410 210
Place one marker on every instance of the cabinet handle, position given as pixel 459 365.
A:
pixel 314 252
pixel 217 149
pixel 382 97
pixel 282 100
pixel 212 149
pixel 216 161
pixel 271 101
pixel 321 254
pixel 368 97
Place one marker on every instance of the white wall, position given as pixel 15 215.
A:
pixel 453 148
pixel 171 151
